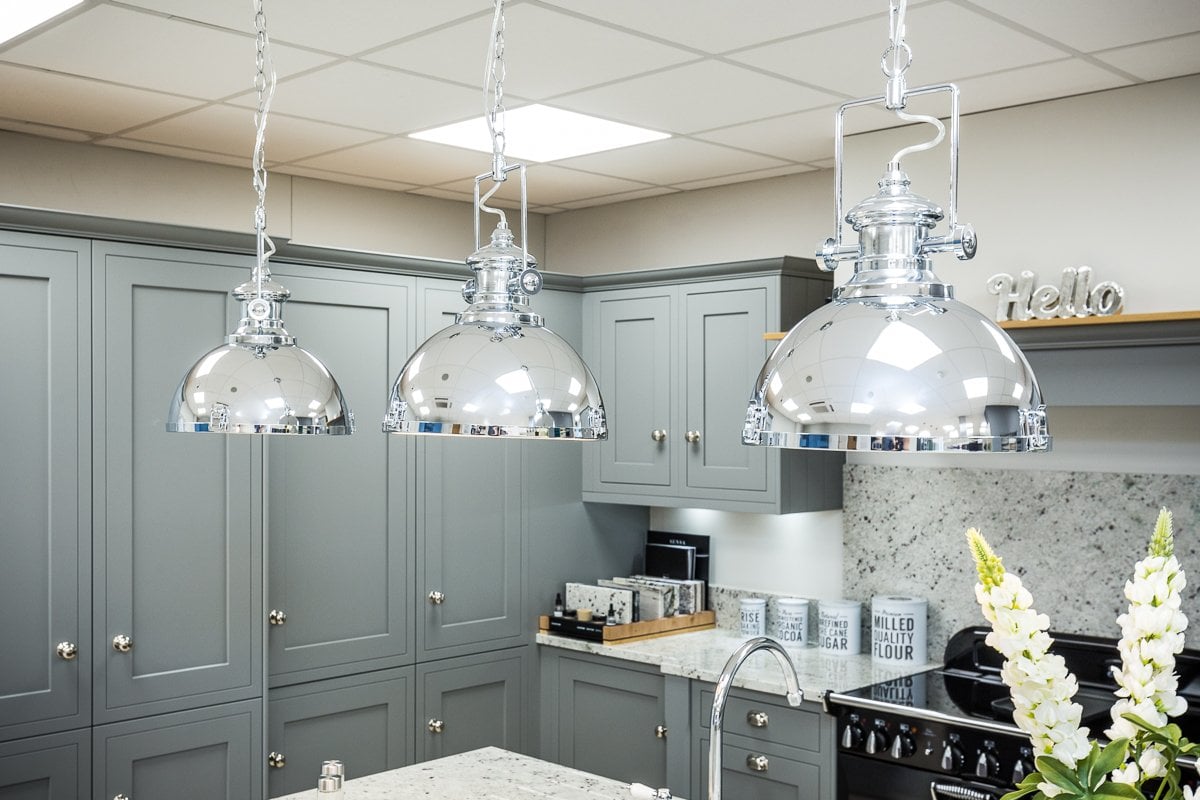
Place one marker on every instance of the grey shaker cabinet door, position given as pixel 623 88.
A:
pixel 471 702
pixel 365 721
pixel 763 775
pixel 176 518
pixel 339 510
pixel 53 767
pixel 45 495
pixel 204 754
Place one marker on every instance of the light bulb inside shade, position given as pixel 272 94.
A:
pixel 846 373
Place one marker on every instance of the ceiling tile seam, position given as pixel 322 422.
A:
pixel 1047 40
pixel 679 184
pixel 364 54
pixel 93 135
pixel 103 81
pixel 42 27
pixel 784 161
pixel 569 12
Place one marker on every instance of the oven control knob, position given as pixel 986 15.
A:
pixel 988 764
pixel 953 758
pixel 853 734
pixel 1024 765
pixel 877 739
pixel 905 744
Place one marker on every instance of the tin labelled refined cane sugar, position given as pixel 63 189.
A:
pixel 839 627
pixel 753 616
pixel 789 623
pixel 898 634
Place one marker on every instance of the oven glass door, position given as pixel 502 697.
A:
pixel 862 778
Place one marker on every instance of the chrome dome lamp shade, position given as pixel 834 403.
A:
pixel 894 362
pixel 260 380
pixel 497 371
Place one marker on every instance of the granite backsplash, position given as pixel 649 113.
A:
pixel 1073 537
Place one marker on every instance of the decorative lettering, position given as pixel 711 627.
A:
pixel 1073 297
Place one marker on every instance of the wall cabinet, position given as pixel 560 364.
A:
pixel 677 363
pixel 52 767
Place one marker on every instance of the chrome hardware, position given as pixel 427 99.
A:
pixel 757 719
pixel 757 763
pixel 658 435
pixel 122 643
pixel 877 739
pixel 277 617
pixel 436 597
pixel 435 726
pixel 660 731
pixel 1024 765
pixel 67 651
pixel 692 437
pixel 121 796
pixel 276 760
pixel 853 734
pixel 905 744
pixel 988 765
pixel 953 757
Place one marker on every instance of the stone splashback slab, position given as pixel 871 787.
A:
pixel 1073 537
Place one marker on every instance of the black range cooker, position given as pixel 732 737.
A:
pixel 948 733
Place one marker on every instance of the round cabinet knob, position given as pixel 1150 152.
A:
pixel 276 760
pixel 692 437
pixel 757 763
pixel 658 435
pixel 277 617
pixel 436 597
pixel 853 734
pixel 67 651
pixel 435 726
pixel 877 739
pixel 905 744
pixel 122 643
pixel 660 731
pixel 120 797
pixel 757 719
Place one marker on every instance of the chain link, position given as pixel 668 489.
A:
pixel 493 92
pixel 264 85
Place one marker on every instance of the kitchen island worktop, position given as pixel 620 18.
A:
pixel 702 656
pixel 485 774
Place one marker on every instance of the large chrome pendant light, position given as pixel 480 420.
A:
pixel 497 371
pixel 260 380
pixel 894 362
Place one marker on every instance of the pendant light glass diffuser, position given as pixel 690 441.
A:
pixel 894 362
pixel 260 380
pixel 497 371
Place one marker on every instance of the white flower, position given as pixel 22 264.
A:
pixel 1153 763
pixel 1126 774
pixel 1049 789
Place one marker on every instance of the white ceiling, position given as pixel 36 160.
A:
pixel 747 89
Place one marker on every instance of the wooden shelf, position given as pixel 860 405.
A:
pixel 1116 319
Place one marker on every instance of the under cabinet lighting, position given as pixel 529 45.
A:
pixel 541 133
pixel 20 17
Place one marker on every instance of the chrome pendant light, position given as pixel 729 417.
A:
pixel 894 362
pixel 497 371
pixel 260 380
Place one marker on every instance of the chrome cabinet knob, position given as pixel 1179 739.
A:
pixel 436 597
pixel 435 726
pixel 121 796
pixel 757 763
pixel 276 760
pixel 757 719
pixel 67 651
pixel 122 643
pixel 658 435
pixel 692 437
pixel 660 731
pixel 277 617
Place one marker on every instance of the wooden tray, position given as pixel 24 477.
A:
pixel 635 631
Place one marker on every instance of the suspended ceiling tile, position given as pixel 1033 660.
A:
pixel 181 152
pixel 799 137
pixel 693 97
pixel 374 98
pixel 404 159
pixel 229 129
pixel 71 102
pixel 1030 84
pixel 823 163
pixel 671 161
pixel 742 177
pixel 49 131
pixel 717 26
pixel 339 177
pixel 137 49
pixel 602 200
pixel 1166 58
pixel 949 43
pixel 343 28
pixel 551 185
pixel 1089 25
pixel 538 42
pixel 444 194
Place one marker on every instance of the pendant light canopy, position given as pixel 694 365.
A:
pixel 894 362
pixel 497 371
pixel 260 380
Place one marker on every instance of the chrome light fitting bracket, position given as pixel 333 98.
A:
pixel 894 362
pixel 260 380
pixel 497 371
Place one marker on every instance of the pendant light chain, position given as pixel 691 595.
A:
pixel 264 85
pixel 895 63
pixel 494 72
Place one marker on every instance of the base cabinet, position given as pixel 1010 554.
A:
pixel 54 767
pixel 471 702
pixel 751 772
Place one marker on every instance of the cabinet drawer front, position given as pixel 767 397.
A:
pixel 750 773
pixel 765 721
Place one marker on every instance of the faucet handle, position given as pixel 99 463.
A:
pixel 640 791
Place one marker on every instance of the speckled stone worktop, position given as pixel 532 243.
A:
pixel 702 655
pixel 486 774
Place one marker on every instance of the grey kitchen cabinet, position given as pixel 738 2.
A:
pixel 199 754
pixel 340 510
pixel 676 363
pixel 45 494
pixel 52 767
pixel 472 701
pixel 751 772
pixel 176 518
pixel 365 721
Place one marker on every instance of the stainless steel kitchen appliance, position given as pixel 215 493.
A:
pixel 947 734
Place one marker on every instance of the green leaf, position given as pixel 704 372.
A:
pixel 1117 791
pixel 1019 792
pixel 1110 758
pixel 1053 771
pixel 1174 733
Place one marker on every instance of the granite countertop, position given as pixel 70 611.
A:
pixel 702 655
pixel 485 774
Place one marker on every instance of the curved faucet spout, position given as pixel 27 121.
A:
pixel 721 695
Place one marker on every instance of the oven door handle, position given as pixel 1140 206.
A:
pixel 957 791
